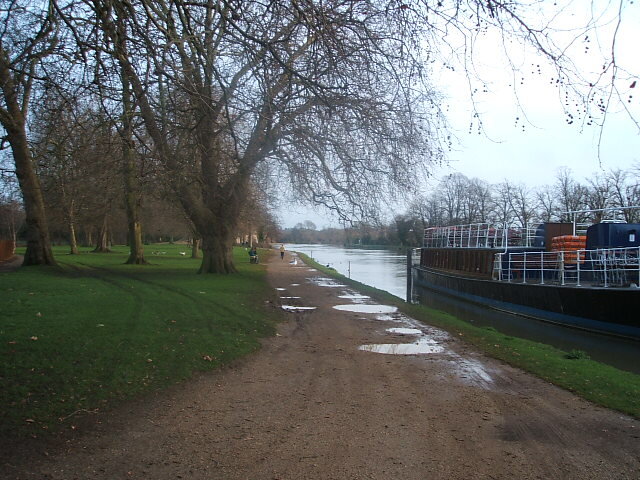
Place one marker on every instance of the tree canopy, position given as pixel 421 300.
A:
pixel 333 100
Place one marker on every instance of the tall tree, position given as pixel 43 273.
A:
pixel 324 90
pixel 571 196
pixel 626 191
pixel 28 34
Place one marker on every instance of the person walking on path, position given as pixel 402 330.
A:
pixel 282 251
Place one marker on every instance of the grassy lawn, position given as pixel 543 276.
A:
pixel 93 332
pixel 599 383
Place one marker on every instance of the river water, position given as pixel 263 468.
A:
pixel 383 269
pixel 387 270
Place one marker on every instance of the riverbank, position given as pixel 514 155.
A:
pixel 594 381
pixel 313 404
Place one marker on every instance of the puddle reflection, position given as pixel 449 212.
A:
pixel 405 331
pixel 422 346
pixel 325 282
pixel 363 308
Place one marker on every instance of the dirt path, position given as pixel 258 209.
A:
pixel 311 405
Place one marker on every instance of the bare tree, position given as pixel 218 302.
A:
pixel 502 209
pixel 522 205
pixel 480 201
pixel 547 205
pixel 626 191
pixel 598 195
pixel 428 211
pixel 571 196
pixel 11 217
pixel 28 34
pixel 325 90
pixel 452 192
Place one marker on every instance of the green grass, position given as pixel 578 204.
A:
pixel 594 381
pixel 93 332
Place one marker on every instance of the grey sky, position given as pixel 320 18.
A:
pixel 533 155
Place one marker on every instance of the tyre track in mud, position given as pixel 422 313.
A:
pixel 112 278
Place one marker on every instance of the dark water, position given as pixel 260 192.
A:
pixel 386 270
pixel 617 352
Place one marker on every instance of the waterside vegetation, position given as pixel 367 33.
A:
pixel 594 381
pixel 83 337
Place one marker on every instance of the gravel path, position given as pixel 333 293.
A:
pixel 319 402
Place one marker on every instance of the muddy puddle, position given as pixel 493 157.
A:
pixel 421 347
pixel 354 296
pixel 432 342
pixel 325 282
pixel 366 308
pixel 405 331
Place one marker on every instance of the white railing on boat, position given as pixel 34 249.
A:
pixel 608 267
pixel 478 235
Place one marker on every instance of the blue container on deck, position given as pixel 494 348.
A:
pixel 613 235
pixel 538 240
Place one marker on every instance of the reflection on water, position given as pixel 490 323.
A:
pixel 295 308
pixel 383 269
pixel 618 352
pixel 405 331
pixel 421 347
pixel 363 308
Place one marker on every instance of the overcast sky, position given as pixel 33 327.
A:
pixel 548 142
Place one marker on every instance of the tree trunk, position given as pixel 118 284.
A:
pixel 73 243
pixel 13 119
pixel 132 198
pixel 102 245
pixel 195 248
pixel 88 235
pixel 217 250
pixel 38 240
pixel 136 255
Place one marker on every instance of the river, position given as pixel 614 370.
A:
pixel 387 270
pixel 383 269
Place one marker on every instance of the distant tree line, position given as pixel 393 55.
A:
pixel 458 200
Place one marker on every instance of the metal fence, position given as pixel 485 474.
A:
pixel 609 267
pixel 478 235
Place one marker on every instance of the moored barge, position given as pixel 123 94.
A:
pixel 555 272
